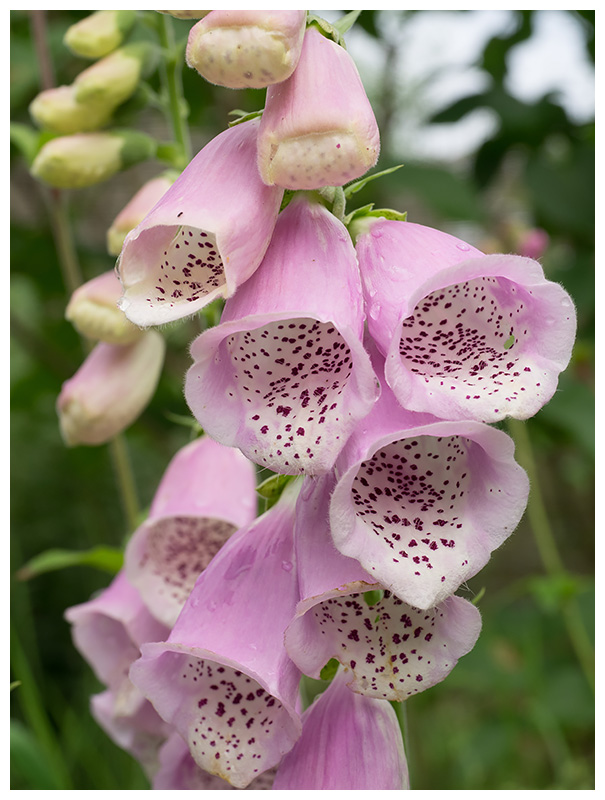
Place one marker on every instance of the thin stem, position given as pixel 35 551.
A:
pixel 173 84
pixel 549 553
pixel 125 480
pixel 64 243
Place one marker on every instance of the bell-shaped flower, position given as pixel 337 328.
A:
pixel 57 110
pixel 205 237
pixel 85 159
pixel 284 376
pixel 178 770
pixel 110 390
pixel 348 741
pixel 113 79
pixel 136 210
pixel 421 502
pixel 140 733
pixel 246 49
pixel 318 128
pixel 99 33
pixel 108 632
pixel 223 679
pixel 205 495
pixel 93 311
pixel 391 650
pixel 465 335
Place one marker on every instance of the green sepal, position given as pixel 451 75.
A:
pixel 329 670
pixel 272 488
pixel 357 186
pixel 137 146
pixel 370 211
pixel 107 559
pixel 326 29
pixel 243 116
pixel 28 140
pixel 345 23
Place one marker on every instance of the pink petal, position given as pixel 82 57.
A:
pixel 316 132
pixel 284 377
pixel 223 678
pixel 206 235
pixel 391 649
pixel 348 742
pixel 422 502
pixel 465 335
pixel 206 494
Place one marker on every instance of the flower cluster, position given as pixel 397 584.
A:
pixel 361 357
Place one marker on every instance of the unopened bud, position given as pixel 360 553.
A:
pixel 114 79
pixel 318 128
pixel 136 210
pixel 57 110
pixel 246 49
pixel 98 34
pixel 93 311
pixel 110 390
pixel 73 162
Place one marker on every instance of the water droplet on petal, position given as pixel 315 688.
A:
pixel 463 246
pixel 286 566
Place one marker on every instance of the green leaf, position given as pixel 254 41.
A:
pixel 357 186
pixel 271 488
pixel 329 670
pixel 108 559
pixel 345 23
pixel 29 764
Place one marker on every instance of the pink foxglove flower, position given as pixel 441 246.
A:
pixel 136 210
pixel 421 502
pixel 284 377
pixel 140 733
pixel 178 770
pixel 93 311
pixel 246 49
pixel 205 237
pixel 108 631
pixel 223 679
pixel 110 390
pixel 465 335
pixel 318 127
pixel 348 741
pixel 391 650
pixel 205 495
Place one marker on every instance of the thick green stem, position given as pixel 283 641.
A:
pixel 173 86
pixel 549 553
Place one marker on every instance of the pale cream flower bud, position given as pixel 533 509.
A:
pixel 110 390
pixel 114 79
pixel 185 14
pixel 57 110
pixel 93 311
pixel 73 162
pixel 99 34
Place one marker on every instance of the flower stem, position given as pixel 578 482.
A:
pixel 125 480
pixel 549 554
pixel 173 86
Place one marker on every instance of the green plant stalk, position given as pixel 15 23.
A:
pixel 33 710
pixel 401 710
pixel 125 480
pixel 547 547
pixel 173 86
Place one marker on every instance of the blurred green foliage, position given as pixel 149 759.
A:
pixel 518 711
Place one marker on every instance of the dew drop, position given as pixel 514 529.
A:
pixel 286 566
